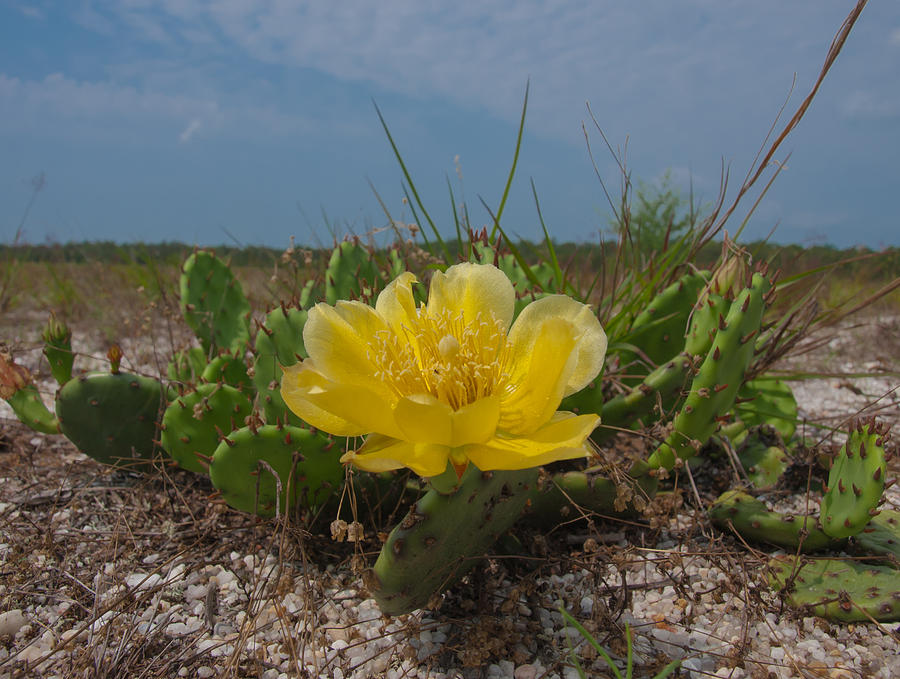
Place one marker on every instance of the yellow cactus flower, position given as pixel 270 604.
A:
pixel 449 380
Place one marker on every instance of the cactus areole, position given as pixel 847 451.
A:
pixel 451 381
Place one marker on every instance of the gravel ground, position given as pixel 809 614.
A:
pixel 103 574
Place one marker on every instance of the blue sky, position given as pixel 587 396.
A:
pixel 210 121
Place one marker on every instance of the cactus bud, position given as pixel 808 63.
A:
pixel 115 358
pixel 13 377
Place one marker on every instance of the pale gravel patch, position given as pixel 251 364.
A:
pixel 251 613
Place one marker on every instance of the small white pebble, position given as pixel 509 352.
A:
pixel 11 622
pixel 204 672
pixel 525 672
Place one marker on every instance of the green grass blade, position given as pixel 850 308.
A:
pixel 410 183
pixel 512 169
pixel 551 250
pixel 590 639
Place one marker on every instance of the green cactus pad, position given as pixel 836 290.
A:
pixel 718 379
pixel 28 406
pixel 279 343
pixel 443 536
pixel 762 456
pixel 753 521
pixel 58 349
pixel 186 366
pixel 855 482
pixel 658 332
pixel 247 485
pixel 112 417
pixel 194 423
pixel 560 497
pixel 770 401
pixel 352 273
pixel 228 369
pixel 838 589
pixel 659 391
pixel 213 303
pixel 882 535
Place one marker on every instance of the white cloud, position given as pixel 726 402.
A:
pixel 32 12
pixel 189 131
pixel 107 109
pixel 864 105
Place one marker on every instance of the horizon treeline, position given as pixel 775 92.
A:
pixel 874 264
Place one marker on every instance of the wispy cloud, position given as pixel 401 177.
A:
pixel 479 55
pixel 32 12
pixel 864 105
pixel 189 131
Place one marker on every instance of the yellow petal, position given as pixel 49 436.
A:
pixel 476 422
pixel 340 340
pixel 337 408
pixel 472 289
pixel 425 419
pixel 543 363
pixel 590 339
pixel 396 305
pixel 382 453
pixel 560 439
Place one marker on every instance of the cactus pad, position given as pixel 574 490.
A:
pixel 882 535
pixel 443 536
pixel 111 417
pixel 763 457
pixel 307 466
pixel 839 589
pixel 193 424
pixel 719 377
pixel 279 343
pixel 58 349
pixel 856 481
pixel 752 520
pixel 213 303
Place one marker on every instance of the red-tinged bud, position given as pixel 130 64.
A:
pixel 115 358
pixel 12 377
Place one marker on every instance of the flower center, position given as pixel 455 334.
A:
pixel 456 361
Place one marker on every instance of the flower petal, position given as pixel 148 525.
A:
pixel 590 339
pixel 337 408
pixel 396 305
pixel 424 418
pixel 476 422
pixel 562 438
pixel 472 289
pixel 382 453
pixel 542 366
pixel 340 340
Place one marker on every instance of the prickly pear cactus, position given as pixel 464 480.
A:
pixel 352 273
pixel 58 349
pixel 443 536
pixel 186 366
pixel 213 303
pixel 768 401
pixel 194 423
pixel 279 344
pixel 882 535
pixel 856 481
pixel 17 389
pixel 753 520
pixel 762 456
pixel 658 332
pixel 718 379
pixel 269 469
pixel 839 589
pixel 227 368
pixel 112 417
